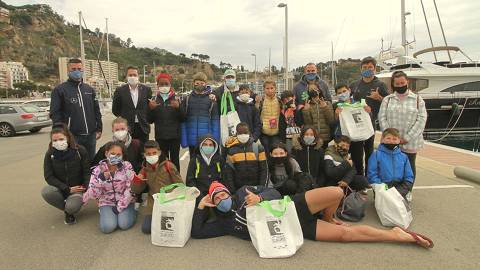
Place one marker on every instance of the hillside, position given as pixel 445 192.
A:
pixel 37 36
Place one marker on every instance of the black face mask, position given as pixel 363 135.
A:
pixel 290 103
pixel 342 151
pixel 400 89
pixel 279 160
pixel 391 146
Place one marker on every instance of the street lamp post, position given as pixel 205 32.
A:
pixel 144 73
pixel 255 70
pixel 285 60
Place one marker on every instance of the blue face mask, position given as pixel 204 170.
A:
pixel 230 82
pixel 311 76
pixel 75 75
pixel 114 159
pixel 225 205
pixel 344 96
pixel 208 150
pixel 367 73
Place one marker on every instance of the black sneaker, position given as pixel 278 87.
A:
pixel 70 219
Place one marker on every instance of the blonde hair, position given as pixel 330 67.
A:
pixel 269 81
pixel 119 120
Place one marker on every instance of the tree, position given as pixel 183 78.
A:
pixel 26 85
pixel 97 31
pixel 182 55
pixel 194 55
pixel 129 42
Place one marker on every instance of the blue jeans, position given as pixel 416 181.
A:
pixel 89 142
pixel 109 221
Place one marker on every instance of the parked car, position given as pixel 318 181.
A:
pixel 43 103
pixel 22 117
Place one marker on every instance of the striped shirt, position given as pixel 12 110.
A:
pixel 408 115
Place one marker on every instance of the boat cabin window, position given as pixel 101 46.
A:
pixel 417 84
pixel 464 87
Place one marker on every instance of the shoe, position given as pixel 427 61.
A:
pixel 70 219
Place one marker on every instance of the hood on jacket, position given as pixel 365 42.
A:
pixel 201 139
pixel 395 151
pixel 299 144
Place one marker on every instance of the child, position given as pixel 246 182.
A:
pixel 308 152
pixel 157 172
pixel 390 165
pixel 291 119
pixel 110 185
pixel 283 170
pixel 247 112
pixel 270 108
pixel 319 113
pixel 206 166
pixel 339 169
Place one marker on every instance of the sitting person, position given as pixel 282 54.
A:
pixel 66 169
pixel 133 147
pixel 231 217
pixel 339 168
pixel 206 166
pixel 283 170
pixel 246 163
pixel 308 152
pixel 390 165
pixel 110 185
pixel 156 173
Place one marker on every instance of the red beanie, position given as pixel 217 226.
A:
pixel 216 188
pixel 164 76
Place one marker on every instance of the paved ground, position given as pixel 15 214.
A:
pixel 33 235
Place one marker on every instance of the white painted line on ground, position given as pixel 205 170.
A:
pixel 185 155
pixel 442 187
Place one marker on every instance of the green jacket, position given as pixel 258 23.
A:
pixel 320 118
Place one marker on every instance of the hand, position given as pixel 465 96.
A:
pixel 338 110
pixel 175 104
pixel 98 135
pixel 212 97
pixel 77 189
pixel 322 103
pixel 206 201
pixel 152 104
pixel 374 94
pixel 403 141
pixel 252 198
pixel 367 108
pixel 258 99
pixel 342 184
pixel 306 106
pixel 350 161
pixel 141 177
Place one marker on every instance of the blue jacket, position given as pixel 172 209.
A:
pixel 385 166
pixel 202 118
pixel 233 223
pixel 75 104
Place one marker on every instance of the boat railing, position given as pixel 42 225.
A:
pixel 470 94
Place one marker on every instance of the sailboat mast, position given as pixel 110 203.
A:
pixel 108 62
pixel 82 48
pixel 404 27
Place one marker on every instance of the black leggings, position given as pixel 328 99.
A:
pixel 171 149
pixel 357 150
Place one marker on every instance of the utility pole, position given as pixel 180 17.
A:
pixel 82 48
pixel 108 62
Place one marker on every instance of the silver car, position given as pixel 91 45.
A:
pixel 22 117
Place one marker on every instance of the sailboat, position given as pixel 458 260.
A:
pixel 451 90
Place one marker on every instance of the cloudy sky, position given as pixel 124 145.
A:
pixel 231 30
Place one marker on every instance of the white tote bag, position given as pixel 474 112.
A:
pixel 228 120
pixel 355 122
pixel 274 228
pixel 172 215
pixel 392 208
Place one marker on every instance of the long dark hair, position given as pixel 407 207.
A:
pixel 287 164
pixel 304 130
pixel 63 129
pixel 112 144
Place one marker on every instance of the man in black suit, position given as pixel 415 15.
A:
pixel 130 101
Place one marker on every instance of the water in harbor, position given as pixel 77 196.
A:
pixel 470 144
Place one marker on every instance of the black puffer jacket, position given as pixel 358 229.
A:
pixel 311 159
pixel 248 113
pixel 166 118
pixel 68 173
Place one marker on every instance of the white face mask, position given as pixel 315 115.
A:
pixel 152 159
pixel 164 89
pixel 60 145
pixel 132 80
pixel 244 97
pixel 120 135
pixel 243 138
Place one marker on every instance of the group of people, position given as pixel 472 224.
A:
pixel 281 147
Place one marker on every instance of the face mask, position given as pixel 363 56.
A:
pixel 199 88
pixel 342 151
pixel 367 73
pixel 311 76
pixel 164 89
pixel 225 205
pixel 279 160
pixel 400 89
pixel 344 96
pixel 230 82
pixel 291 103
pixel 120 135
pixel 208 150
pixel 114 159
pixel 243 138
pixel 75 75
pixel 391 146
pixel 60 145
pixel 244 97
pixel 152 159
pixel 132 80
pixel 309 140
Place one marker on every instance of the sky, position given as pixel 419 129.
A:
pixel 232 30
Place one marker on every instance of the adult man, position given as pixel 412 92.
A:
pixel 130 101
pixel 74 103
pixel 229 86
pixel 310 81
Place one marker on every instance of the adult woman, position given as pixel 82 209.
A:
pixel 66 169
pixel 110 185
pixel 405 111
